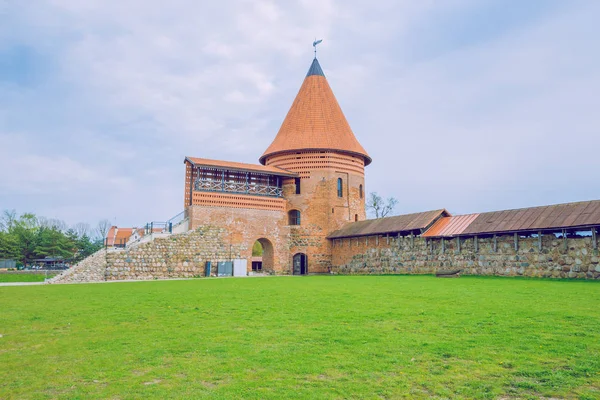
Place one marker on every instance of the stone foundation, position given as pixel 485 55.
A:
pixel 557 258
pixel 177 256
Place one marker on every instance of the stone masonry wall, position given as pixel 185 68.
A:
pixel 177 256
pixel 90 269
pixel 393 255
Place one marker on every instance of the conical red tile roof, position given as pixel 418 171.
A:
pixel 315 121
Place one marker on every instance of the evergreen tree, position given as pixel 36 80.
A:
pixel 85 247
pixel 9 246
pixel 25 230
pixel 53 243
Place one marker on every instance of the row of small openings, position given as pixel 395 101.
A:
pixel 237 205
pixel 237 201
pixel 314 156
pixel 308 168
pixel 331 156
pixel 228 198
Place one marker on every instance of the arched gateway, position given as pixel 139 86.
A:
pixel 267 262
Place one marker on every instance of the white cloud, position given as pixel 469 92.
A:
pixel 132 86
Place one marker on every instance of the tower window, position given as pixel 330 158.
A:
pixel 360 191
pixel 294 217
pixel 297 181
pixel 355 217
pixel 340 187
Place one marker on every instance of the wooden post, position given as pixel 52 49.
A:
pixel 398 238
pixel 564 232
pixel 516 241
pixel 387 237
pixel 540 241
pixel 377 240
pixel 476 243
pixel 594 239
pixel 412 240
pixel 495 243
pixel 458 243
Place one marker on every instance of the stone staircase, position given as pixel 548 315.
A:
pixel 90 269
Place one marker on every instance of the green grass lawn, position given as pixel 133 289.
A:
pixel 302 337
pixel 30 277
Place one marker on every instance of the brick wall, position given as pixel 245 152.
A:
pixel 242 227
pixel 393 255
pixel 322 210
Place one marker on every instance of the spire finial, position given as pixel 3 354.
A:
pixel 315 43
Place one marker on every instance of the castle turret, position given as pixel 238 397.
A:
pixel 316 142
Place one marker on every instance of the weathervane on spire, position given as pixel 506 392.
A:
pixel 315 43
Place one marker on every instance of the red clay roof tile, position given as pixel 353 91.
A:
pixel 315 122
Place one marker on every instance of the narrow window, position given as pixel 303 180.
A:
pixel 340 188
pixel 297 180
pixel 294 217
pixel 360 191
pixel 355 217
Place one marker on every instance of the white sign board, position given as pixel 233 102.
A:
pixel 240 268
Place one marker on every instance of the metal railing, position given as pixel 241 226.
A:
pixel 209 185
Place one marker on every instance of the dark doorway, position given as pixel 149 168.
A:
pixel 300 264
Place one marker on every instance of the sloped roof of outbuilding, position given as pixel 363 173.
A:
pixel 568 215
pixel 315 121
pixel 399 223
pixel 450 226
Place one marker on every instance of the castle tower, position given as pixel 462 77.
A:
pixel 316 142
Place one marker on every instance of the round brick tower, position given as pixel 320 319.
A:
pixel 316 142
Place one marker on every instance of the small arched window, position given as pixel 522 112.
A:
pixel 340 187
pixel 360 191
pixel 294 217
pixel 355 217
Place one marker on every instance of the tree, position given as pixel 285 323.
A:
pixel 8 220
pixel 25 230
pixel 102 228
pixel 52 223
pixel 85 247
pixel 257 249
pixel 379 207
pixel 9 246
pixel 53 243
pixel 82 229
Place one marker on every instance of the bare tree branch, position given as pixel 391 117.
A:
pixel 82 229
pixel 8 219
pixel 378 207
pixel 102 228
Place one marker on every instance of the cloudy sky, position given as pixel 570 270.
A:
pixel 471 105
